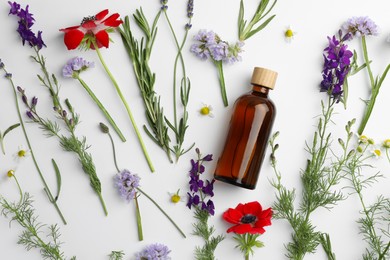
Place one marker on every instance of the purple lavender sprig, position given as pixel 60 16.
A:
pixel 337 65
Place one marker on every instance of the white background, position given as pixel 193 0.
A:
pixel 91 235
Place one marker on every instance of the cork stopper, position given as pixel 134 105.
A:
pixel 264 77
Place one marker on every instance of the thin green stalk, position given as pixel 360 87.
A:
pixel 221 81
pixel 127 108
pixel 102 108
pixel 46 187
pixel 139 220
pixel 158 206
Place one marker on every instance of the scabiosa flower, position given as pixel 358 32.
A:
pixel 360 26
pixel 127 184
pixel 92 32
pixel 154 252
pixel 74 66
pixel 26 21
pixel 337 61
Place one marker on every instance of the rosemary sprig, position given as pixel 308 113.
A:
pixel 318 180
pixel 70 119
pixel 139 54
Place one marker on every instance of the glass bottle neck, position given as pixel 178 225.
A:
pixel 260 89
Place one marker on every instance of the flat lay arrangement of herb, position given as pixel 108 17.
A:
pixel 112 124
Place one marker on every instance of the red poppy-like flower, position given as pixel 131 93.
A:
pixel 248 218
pixel 93 29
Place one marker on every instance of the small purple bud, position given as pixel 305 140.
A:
pixel 8 75
pixel 20 89
pixel 30 115
pixel 1 65
pixel 34 101
pixel 64 113
pixel 24 99
pixel 55 109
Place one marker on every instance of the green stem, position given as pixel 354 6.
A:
pixel 222 82
pixel 158 206
pixel 138 216
pixel 127 108
pixel 46 187
pixel 102 108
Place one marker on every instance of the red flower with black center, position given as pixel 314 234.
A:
pixel 93 31
pixel 248 218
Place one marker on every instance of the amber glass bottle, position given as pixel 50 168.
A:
pixel 249 131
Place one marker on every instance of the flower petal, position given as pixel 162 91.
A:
pixel 240 229
pixel 112 20
pixel 100 16
pixel 232 216
pixel 102 38
pixel 73 38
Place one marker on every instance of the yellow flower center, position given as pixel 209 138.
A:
pixel 22 153
pixel 10 173
pixel 377 152
pixel 289 33
pixel 205 111
pixel 175 198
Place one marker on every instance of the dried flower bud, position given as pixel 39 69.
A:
pixel 34 101
pixel 30 115
pixel 24 99
pixel 104 128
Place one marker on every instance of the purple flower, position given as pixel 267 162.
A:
pixel 154 252
pixel 337 61
pixel 199 189
pixel 74 66
pixel 210 45
pixel 127 184
pixel 26 21
pixel 1 64
pixel 360 26
pixel 190 8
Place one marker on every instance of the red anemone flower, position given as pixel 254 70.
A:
pixel 248 218
pixel 93 29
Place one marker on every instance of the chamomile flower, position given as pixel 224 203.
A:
pixel 21 153
pixel 206 110
pixel 10 173
pixel 363 139
pixel 386 144
pixel 289 34
pixel 175 197
pixel 376 152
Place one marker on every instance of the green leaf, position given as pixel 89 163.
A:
pixel 58 175
pixel 9 129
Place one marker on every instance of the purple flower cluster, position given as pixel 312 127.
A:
pixel 211 46
pixel 337 61
pixel 200 189
pixel 154 252
pixel 26 21
pixel 127 184
pixel 360 26
pixel 75 65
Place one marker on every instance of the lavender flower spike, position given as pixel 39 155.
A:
pixel 127 184
pixel 154 252
pixel 360 26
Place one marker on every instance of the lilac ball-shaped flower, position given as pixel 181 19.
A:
pixel 360 26
pixel 127 184
pixel 76 65
pixel 154 252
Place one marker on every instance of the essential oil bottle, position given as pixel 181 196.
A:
pixel 249 130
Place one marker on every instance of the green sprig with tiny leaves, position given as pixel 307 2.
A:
pixel 318 179
pixel 374 223
pixel 23 212
pixel 202 229
pixel 116 255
